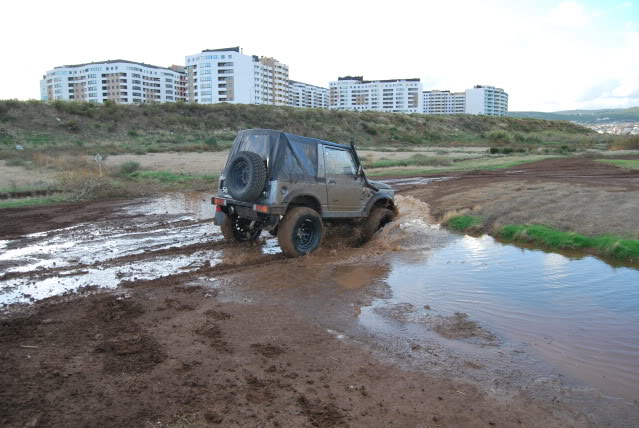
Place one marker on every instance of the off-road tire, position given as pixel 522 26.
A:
pixel 235 228
pixel 377 218
pixel 300 232
pixel 246 176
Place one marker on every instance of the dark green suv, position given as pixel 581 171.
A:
pixel 291 186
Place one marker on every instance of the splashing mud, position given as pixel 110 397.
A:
pixel 410 230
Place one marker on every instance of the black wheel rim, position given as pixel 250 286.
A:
pixel 240 174
pixel 243 231
pixel 306 235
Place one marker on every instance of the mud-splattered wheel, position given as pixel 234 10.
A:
pixel 300 232
pixel 239 229
pixel 377 218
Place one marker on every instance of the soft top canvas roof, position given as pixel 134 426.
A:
pixel 289 157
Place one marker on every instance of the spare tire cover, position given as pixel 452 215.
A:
pixel 246 176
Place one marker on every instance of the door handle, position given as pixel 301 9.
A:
pixel 331 182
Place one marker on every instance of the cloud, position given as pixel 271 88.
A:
pixel 570 15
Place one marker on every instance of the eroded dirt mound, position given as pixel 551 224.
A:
pixel 459 326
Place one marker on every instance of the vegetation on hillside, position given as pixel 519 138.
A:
pixel 583 116
pixel 148 128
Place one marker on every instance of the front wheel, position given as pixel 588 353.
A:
pixel 377 218
pixel 300 232
pixel 239 229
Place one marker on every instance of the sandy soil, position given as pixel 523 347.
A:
pixel 17 176
pixel 576 194
pixel 213 162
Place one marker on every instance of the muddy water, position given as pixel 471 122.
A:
pixel 106 253
pixel 580 316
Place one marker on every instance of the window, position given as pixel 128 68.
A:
pixel 339 162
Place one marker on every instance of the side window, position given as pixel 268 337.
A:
pixel 339 162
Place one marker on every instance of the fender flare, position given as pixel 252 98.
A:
pixel 377 198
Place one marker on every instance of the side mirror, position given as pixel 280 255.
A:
pixel 360 171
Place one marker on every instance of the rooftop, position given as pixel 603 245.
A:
pixel 306 84
pixel 235 49
pixel 113 61
pixel 360 79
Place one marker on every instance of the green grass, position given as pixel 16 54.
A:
pixel 604 245
pixel 16 203
pixel 170 177
pixel 415 160
pixel 623 163
pixel 31 188
pixel 462 222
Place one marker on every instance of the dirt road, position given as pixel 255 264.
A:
pixel 137 314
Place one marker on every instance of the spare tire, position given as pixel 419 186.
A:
pixel 246 176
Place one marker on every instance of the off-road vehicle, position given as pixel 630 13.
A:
pixel 291 185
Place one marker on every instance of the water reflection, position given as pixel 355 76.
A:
pixel 581 314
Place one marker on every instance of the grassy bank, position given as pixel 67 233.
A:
pixel 484 163
pixel 604 245
pixel 25 202
pixel 150 128
pixel 623 163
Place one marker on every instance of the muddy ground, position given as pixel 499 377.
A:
pixel 191 331
pixel 575 194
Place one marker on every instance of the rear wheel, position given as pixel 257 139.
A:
pixel 300 232
pixel 377 218
pixel 239 229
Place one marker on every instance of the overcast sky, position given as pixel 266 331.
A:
pixel 548 55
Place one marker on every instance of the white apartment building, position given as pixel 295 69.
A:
pixel 307 96
pixel 124 82
pixel 229 76
pixel 486 100
pixel 394 96
pixel 444 102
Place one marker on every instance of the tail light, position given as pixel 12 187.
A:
pixel 261 208
pixel 219 201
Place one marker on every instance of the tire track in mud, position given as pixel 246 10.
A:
pixel 79 268
pixel 174 279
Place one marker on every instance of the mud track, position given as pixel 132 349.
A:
pixel 137 314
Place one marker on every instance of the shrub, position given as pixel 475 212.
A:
pixel 522 138
pixel 132 133
pixel 626 143
pixel 507 150
pixel 211 143
pixel 75 107
pixel 129 167
pixel 81 186
pixel 498 136
pixel 72 125
pixel 493 150
pixel 369 129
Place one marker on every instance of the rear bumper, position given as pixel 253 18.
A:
pixel 246 210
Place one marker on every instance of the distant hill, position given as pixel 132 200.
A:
pixel 584 116
pixel 195 127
